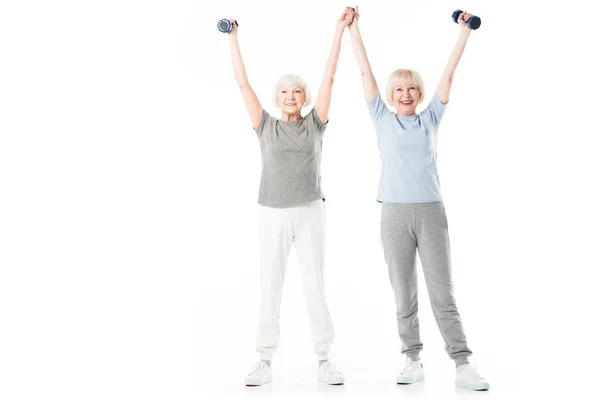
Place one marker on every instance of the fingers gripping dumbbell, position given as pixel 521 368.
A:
pixel 473 22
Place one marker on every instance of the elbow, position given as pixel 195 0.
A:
pixel 327 82
pixel 328 77
pixel 448 78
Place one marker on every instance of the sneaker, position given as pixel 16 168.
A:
pixel 468 378
pixel 412 373
pixel 259 375
pixel 327 373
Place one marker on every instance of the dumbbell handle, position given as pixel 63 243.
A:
pixel 473 22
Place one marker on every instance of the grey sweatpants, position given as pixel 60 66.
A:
pixel 406 228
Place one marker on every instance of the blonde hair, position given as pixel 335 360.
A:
pixel 404 75
pixel 292 80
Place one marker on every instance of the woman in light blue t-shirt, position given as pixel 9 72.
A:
pixel 413 216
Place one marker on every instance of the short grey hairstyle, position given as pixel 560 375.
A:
pixel 404 75
pixel 292 80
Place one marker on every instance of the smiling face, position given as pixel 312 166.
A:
pixel 291 99
pixel 290 95
pixel 405 91
pixel 406 97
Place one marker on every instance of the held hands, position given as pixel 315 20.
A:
pixel 346 18
pixel 354 23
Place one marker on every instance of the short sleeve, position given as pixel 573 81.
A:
pixel 314 119
pixel 266 122
pixel 377 108
pixel 435 110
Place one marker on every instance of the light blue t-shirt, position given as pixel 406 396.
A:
pixel 407 148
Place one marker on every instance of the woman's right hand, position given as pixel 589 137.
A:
pixel 354 23
pixel 234 27
pixel 345 19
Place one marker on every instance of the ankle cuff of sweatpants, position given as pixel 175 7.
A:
pixel 461 360
pixel 323 357
pixel 266 356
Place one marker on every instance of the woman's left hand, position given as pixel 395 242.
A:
pixel 462 20
pixel 345 19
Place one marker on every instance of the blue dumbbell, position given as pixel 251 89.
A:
pixel 473 22
pixel 224 25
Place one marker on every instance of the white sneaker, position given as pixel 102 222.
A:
pixel 328 374
pixel 468 378
pixel 259 375
pixel 412 373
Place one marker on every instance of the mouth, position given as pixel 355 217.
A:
pixel 291 104
pixel 406 102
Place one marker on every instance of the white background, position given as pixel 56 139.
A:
pixel 129 176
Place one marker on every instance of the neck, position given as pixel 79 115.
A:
pixel 404 113
pixel 290 117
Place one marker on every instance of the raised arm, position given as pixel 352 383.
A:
pixel 368 80
pixel 252 104
pixel 443 88
pixel 324 96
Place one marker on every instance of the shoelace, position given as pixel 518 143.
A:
pixel 471 370
pixel 330 367
pixel 258 367
pixel 410 367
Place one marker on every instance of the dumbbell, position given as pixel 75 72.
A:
pixel 473 22
pixel 224 25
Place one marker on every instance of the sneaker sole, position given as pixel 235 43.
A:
pixel 466 385
pixel 253 384
pixel 331 383
pixel 403 381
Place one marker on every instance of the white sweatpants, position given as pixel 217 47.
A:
pixel 304 226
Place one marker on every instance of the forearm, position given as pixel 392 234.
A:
pixel 370 88
pixel 252 103
pixel 457 53
pixel 324 97
pixel 334 56
pixel 238 65
pixel 445 84
pixel 360 53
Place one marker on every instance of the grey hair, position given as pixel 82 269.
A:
pixel 292 80
pixel 404 75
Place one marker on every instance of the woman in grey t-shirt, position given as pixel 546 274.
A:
pixel 292 204
pixel 413 215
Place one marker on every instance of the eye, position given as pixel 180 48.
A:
pixel 398 89
pixel 412 88
pixel 298 91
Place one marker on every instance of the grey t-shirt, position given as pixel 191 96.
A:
pixel 291 160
